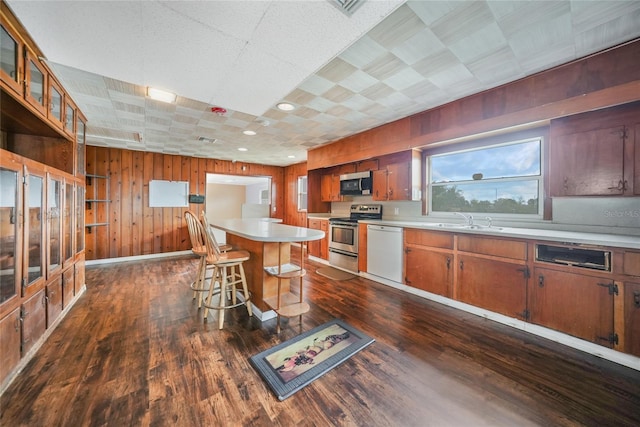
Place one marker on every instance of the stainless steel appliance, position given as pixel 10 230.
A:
pixel 355 184
pixel 343 236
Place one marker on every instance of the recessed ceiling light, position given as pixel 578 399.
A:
pixel 242 149
pixel 161 95
pixel 248 132
pixel 291 156
pixel 285 106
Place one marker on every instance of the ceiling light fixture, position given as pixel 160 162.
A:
pixel 291 156
pixel 242 149
pixel 161 95
pixel 285 106
pixel 248 132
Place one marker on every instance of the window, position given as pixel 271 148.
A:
pixel 496 179
pixel 302 193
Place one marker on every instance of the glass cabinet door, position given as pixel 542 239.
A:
pixel 9 240
pixel 34 228
pixel 66 222
pixel 79 219
pixel 54 202
pixel 80 148
pixel 69 119
pixel 35 80
pixel 10 60
pixel 55 102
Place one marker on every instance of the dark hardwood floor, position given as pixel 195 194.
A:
pixel 134 350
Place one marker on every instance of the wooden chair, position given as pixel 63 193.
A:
pixel 229 272
pixel 199 248
pixel 286 303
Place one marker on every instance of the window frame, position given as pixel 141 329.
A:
pixel 487 143
pixel 299 193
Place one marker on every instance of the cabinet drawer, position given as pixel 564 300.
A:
pixel 314 223
pixel 631 263
pixel 489 246
pixel 435 239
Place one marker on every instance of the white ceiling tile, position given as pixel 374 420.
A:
pixel 418 47
pixel 480 43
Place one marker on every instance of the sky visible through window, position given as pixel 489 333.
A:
pixel 485 178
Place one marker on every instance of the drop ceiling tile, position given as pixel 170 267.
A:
pixel 420 46
pixel 385 66
pixel 451 77
pixel 436 63
pixel 431 11
pixel 518 17
pixel 320 104
pixel 404 79
pixel 397 28
pixel 315 85
pixel 480 43
pixel 377 91
pixel 362 52
pixel 336 70
pixel 613 32
pixel 465 19
pixel 542 39
pixel 496 68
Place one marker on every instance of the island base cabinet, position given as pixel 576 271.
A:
pixel 34 320
pixel 429 270
pixel 9 344
pixel 495 285
pixel 632 318
pixel 576 304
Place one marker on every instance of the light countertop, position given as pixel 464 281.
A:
pixel 600 239
pixel 267 231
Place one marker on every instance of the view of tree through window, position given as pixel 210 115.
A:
pixel 502 179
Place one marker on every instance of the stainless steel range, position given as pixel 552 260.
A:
pixel 343 236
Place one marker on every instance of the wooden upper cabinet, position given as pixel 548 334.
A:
pixel 399 179
pixel 330 188
pixel 589 163
pixel 367 165
pixel 35 83
pixel 596 153
pixel 11 65
pixel 55 109
pixel 69 117
pixel 379 186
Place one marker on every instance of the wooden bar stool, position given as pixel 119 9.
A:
pixel 286 303
pixel 229 272
pixel 198 246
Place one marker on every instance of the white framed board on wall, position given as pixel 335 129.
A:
pixel 168 194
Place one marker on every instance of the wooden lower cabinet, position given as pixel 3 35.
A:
pixel 9 343
pixel 632 318
pixel 68 285
pixel 498 286
pixel 54 300
pixel 34 320
pixel 576 304
pixel 319 248
pixel 429 270
pixel 79 276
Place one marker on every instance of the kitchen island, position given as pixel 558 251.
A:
pixel 269 244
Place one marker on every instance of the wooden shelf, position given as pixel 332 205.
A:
pixel 286 271
pixel 290 305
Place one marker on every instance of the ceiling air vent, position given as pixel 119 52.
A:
pixel 347 6
pixel 207 140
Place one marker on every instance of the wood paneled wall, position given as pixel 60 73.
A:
pixel 602 80
pixel 292 215
pixel 133 228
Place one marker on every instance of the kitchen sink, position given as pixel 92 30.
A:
pixel 467 226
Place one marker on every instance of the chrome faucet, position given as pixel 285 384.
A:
pixel 467 218
pixel 489 220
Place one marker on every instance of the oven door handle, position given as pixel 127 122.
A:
pixel 345 253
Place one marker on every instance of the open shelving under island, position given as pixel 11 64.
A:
pixel 270 267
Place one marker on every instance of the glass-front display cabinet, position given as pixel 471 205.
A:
pixel 10 201
pixel 54 224
pixel 34 230
pixel 10 59
pixel 35 79
pixel 67 224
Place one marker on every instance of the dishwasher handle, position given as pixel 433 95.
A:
pixel 386 228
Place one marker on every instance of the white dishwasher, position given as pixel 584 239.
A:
pixel 384 252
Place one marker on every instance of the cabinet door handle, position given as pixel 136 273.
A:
pixel 461 265
pixel 636 299
pixel 541 281
pixel 448 263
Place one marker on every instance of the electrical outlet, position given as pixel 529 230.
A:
pixel 396 211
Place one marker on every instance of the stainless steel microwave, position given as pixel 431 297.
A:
pixel 355 184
